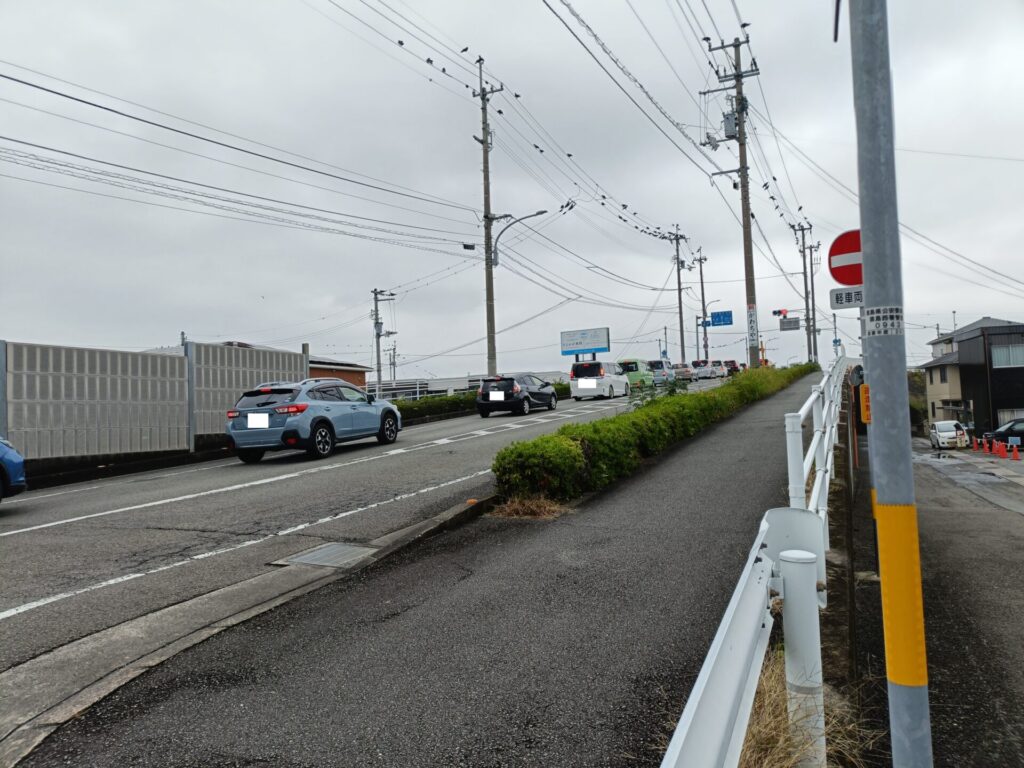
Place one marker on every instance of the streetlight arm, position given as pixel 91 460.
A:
pixel 494 247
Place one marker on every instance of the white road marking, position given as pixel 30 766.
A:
pixel 505 427
pixel 213 553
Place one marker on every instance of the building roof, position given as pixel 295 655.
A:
pixel 967 330
pixel 321 361
pixel 953 358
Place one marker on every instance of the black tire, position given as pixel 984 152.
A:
pixel 524 406
pixel 553 403
pixel 484 412
pixel 321 441
pixel 250 455
pixel 627 390
pixel 611 392
pixel 577 399
pixel 388 429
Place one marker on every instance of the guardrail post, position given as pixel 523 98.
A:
pixel 795 461
pixel 818 413
pixel 804 691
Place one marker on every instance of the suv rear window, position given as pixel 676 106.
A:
pixel 587 370
pixel 261 398
pixel 630 367
pixel 656 365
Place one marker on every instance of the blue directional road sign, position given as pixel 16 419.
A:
pixel 721 318
pixel 705 323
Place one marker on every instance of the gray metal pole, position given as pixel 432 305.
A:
pixel 814 309
pixel 485 143
pixel 754 358
pixel 886 370
pixel 679 296
pixel 807 292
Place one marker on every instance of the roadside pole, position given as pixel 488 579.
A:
pixel 885 353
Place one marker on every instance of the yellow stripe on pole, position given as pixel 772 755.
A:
pixel 899 564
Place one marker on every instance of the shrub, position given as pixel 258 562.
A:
pixel 434 405
pixel 593 455
pixel 562 389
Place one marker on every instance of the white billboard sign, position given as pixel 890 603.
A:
pixel 586 341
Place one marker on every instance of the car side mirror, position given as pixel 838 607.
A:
pixel 370 398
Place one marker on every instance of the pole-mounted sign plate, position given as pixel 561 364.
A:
pixel 789 323
pixel 586 341
pixel 865 404
pixel 721 318
pixel 844 259
pixel 751 325
pixel 844 298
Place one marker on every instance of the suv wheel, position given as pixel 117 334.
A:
pixel 388 429
pixel 321 442
pixel 627 390
pixel 553 403
pixel 484 412
pixel 524 406
pixel 250 455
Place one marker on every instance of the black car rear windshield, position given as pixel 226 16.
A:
pixel 498 385
pixel 585 370
pixel 262 398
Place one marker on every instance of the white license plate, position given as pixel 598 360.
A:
pixel 258 421
pixel 498 396
pixel 588 384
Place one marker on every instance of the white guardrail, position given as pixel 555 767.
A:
pixel 787 562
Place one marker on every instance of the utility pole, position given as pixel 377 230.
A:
pixel 803 229
pixel 679 291
pixel 393 361
pixel 378 326
pixel 700 258
pixel 892 472
pixel 813 249
pixel 696 334
pixel 737 121
pixel 485 142
pixel 665 355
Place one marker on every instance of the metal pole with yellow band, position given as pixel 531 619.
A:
pixel 886 370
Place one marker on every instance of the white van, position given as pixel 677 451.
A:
pixel 597 379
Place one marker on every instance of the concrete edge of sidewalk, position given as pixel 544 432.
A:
pixel 36 707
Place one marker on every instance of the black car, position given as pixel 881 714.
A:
pixel 1008 431
pixel 520 393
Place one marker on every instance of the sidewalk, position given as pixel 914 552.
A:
pixel 972 538
pixel 571 642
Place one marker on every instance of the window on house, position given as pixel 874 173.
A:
pixel 930 379
pixel 933 409
pixel 942 374
pixel 1008 356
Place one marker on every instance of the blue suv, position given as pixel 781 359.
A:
pixel 314 415
pixel 12 470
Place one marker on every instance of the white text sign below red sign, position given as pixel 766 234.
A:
pixel 844 259
pixel 844 298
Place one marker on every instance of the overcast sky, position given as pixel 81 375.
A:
pixel 334 92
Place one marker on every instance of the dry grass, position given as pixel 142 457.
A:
pixel 770 743
pixel 537 508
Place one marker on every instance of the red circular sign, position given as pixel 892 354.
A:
pixel 844 259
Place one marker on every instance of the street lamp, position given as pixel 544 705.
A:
pixel 490 262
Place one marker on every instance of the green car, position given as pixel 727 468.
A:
pixel 638 372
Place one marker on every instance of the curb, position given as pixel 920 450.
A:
pixel 44 711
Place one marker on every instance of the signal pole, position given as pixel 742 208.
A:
pixel 892 472
pixel 485 143
pixel 378 326
pixel 812 249
pixel 803 229
pixel 738 118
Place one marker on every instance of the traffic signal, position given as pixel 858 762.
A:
pixel 780 312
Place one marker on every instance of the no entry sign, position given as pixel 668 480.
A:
pixel 844 259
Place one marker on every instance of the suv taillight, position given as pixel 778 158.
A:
pixel 602 372
pixel 293 408
pixel 572 374
pixel 233 414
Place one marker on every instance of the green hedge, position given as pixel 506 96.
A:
pixel 436 405
pixel 593 455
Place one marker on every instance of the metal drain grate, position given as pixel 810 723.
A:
pixel 336 555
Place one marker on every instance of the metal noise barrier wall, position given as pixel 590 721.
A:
pixel 66 401
pixel 220 374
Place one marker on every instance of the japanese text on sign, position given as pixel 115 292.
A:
pixel 883 321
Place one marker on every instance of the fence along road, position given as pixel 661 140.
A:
pixel 787 560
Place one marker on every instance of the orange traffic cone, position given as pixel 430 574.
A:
pixel 984 446
pixel 974 446
pixel 1016 454
pixel 1002 450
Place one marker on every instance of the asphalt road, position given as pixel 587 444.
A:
pixel 77 559
pixel 571 642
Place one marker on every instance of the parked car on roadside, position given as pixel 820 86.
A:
pixel 12 470
pixel 638 372
pixel 684 371
pixel 702 370
pixel 732 367
pixel 519 393
pixel 597 379
pixel 948 434
pixel 1007 433
pixel 662 371
pixel 312 415
pixel 720 371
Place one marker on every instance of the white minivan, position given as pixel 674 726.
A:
pixel 597 379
